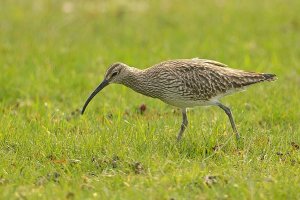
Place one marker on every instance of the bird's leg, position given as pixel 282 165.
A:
pixel 229 114
pixel 183 125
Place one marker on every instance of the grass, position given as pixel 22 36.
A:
pixel 54 53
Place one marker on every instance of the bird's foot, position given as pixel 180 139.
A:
pixel 178 139
pixel 239 141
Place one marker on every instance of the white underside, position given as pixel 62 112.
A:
pixel 183 103
pixel 190 104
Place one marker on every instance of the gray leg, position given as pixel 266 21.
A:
pixel 229 114
pixel 183 125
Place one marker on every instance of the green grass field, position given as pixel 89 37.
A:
pixel 54 53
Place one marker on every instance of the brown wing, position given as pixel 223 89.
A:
pixel 199 79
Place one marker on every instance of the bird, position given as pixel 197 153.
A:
pixel 184 83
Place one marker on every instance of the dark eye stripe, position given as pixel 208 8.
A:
pixel 114 74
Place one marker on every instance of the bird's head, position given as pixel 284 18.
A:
pixel 115 74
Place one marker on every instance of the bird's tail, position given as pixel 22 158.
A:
pixel 269 77
pixel 248 78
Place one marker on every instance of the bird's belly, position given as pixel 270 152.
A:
pixel 186 103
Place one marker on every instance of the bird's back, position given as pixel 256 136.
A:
pixel 197 81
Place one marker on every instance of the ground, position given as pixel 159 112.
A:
pixel 54 53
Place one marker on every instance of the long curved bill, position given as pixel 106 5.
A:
pixel 98 89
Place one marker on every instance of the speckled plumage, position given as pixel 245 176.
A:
pixel 184 83
pixel 190 82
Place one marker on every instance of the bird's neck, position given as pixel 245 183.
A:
pixel 138 81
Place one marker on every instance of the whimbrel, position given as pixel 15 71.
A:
pixel 184 83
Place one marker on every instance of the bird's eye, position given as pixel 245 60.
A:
pixel 114 74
